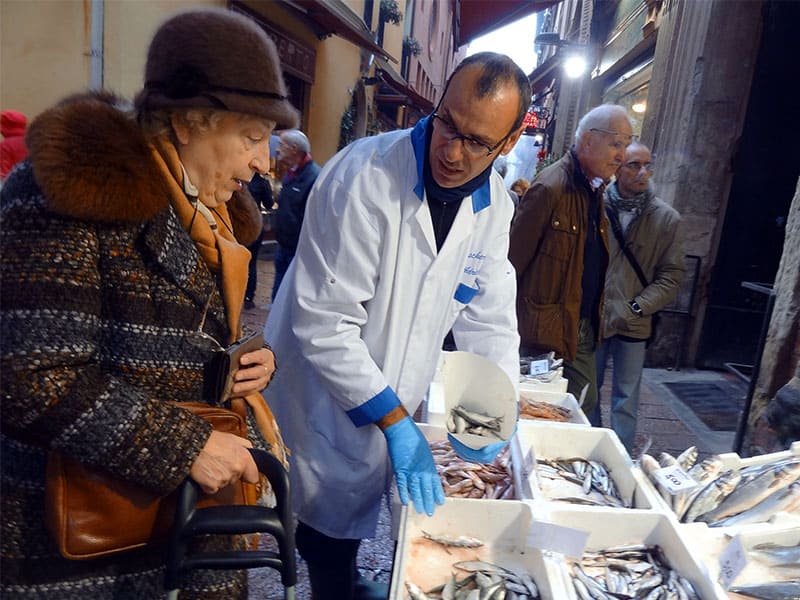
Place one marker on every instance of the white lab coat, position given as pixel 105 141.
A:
pixel 366 304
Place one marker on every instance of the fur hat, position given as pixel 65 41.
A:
pixel 215 58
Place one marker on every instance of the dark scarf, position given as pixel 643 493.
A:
pixel 444 202
pixel 635 204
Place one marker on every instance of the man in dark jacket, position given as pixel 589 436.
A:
pixel 294 155
pixel 650 230
pixel 559 247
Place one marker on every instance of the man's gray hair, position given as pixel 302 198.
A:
pixel 600 117
pixel 297 140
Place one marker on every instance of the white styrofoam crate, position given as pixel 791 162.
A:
pixel 608 529
pixel 731 460
pixel 435 434
pixel 541 440
pixel 563 399
pixel 531 384
pixel 708 544
pixel 502 526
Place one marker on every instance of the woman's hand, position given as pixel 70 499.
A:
pixel 222 461
pixel 255 372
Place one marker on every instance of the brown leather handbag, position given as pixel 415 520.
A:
pixel 91 513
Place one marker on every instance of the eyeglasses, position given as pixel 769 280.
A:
pixel 448 131
pixel 638 166
pixel 618 144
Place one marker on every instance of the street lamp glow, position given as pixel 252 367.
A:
pixel 574 66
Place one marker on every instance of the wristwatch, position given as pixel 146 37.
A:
pixel 635 307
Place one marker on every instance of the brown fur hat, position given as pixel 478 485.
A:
pixel 215 58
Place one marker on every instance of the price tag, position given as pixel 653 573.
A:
pixel 732 560
pixel 557 538
pixel 674 479
pixel 539 367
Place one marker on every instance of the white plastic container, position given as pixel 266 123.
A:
pixel 435 434
pixel 609 529
pixel 478 385
pixel 541 440
pixel 731 460
pixel 531 384
pixel 501 525
pixel 708 544
pixel 563 399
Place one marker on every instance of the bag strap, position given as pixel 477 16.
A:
pixel 617 229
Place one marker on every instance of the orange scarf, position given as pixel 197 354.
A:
pixel 223 254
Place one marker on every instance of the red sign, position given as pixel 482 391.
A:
pixel 530 120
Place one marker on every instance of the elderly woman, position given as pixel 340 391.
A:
pixel 123 271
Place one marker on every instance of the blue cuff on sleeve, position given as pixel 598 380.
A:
pixel 374 408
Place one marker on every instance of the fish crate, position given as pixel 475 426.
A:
pixel 501 526
pixel 614 529
pixel 531 384
pixel 562 399
pixel 777 519
pixel 541 440
pixel 708 544
pixel 731 460
pixel 436 434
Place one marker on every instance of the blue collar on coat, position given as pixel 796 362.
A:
pixel 481 198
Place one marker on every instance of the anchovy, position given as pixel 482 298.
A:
pixel 415 592
pixel 773 590
pixel 461 541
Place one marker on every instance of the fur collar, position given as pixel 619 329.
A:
pixel 93 163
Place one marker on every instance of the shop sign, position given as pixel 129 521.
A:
pixel 530 120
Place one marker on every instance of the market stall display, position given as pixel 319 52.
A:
pixel 425 564
pixel 573 478
pixel 538 445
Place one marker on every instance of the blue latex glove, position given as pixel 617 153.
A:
pixel 483 455
pixel 413 466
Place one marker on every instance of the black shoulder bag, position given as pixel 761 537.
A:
pixel 617 229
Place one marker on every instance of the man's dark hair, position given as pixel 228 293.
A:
pixel 497 70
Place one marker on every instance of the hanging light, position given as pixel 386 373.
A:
pixel 639 107
pixel 574 66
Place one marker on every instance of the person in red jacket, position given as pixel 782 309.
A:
pixel 12 149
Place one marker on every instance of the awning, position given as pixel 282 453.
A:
pixel 406 93
pixel 542 75
pixel 473 18
pixel 335 17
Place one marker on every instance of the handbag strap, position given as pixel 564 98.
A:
pixel 617 229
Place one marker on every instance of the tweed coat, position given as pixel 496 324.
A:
pixel 103 293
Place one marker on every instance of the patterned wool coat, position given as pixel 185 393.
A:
pixel 102 296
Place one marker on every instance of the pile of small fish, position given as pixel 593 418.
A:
pixel 462 479
pixel 578 481
pixel 534 409
pixel 729 497
pixel 485 581
pixel 630 572
pixel 461 420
